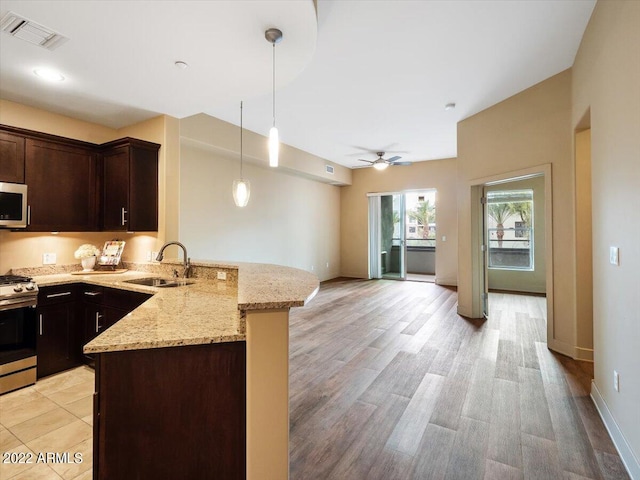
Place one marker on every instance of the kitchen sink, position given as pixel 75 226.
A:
pixel 160 282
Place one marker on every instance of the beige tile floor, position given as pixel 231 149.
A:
pixel 55 415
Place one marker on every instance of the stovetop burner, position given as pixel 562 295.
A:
pixel 12 279
pixel 17 291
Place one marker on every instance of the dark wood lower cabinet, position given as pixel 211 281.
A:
pixel 102 307
pixel 171 413
pixel 55 343
pixel 58 331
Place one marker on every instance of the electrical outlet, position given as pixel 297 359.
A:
pixel 149 255
pixel 312 268
pixel 49 258
pixel 616 381
pixel 614 256
pixel 222 275
pixel 444 238
pixel 327 264
pixel 154 255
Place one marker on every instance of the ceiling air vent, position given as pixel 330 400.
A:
pixel 329 169
pixel 31 32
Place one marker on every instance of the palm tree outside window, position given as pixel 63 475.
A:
pixel 510 229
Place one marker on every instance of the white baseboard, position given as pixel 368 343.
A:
pixel 585 354
pixel 624 450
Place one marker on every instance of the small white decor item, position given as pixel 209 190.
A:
pixel 87 255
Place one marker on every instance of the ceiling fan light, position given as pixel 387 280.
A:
pixel 380 165
pixel 274 147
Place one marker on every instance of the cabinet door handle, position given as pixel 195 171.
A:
pixel 63 294
pixel 98 317
pixel 28 215
pixel 124 212
pixel 92 294
pixel 40 316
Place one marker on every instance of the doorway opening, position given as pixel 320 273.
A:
pixel 512 247
pixel 402 235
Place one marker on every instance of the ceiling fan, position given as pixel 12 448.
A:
pixel 381 163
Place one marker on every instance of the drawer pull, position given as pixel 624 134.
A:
pixel 63 294
pixel 92 294
pixel 124 220
pixel 98 317
pixel 40 324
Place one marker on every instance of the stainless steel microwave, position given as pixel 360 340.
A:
pixel 13 205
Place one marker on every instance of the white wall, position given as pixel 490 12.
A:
pixel 289 220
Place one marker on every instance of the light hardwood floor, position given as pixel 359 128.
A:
pixel 388 382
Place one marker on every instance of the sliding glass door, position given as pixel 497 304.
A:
pixel 387 245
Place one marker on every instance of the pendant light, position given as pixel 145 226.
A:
pixel 241 187
pixel 273 36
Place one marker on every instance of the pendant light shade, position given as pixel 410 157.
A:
pixel 274 147
pixel 241 192
pixel 273 36
pixel 241 187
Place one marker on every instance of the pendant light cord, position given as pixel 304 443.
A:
pixel 241 140
pixel 274 84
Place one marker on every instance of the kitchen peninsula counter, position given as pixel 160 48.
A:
pixel 206 311
pixel 194 382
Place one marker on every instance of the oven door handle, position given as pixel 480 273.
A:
pixel 18 302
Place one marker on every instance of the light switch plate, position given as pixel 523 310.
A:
pixel 222 275
pixel 614 256
pixel 49 258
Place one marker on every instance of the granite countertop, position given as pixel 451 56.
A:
pixel 207 311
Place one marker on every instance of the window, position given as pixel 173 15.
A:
pixel 510 229
pixel 421 220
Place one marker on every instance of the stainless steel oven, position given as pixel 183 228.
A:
pixel 18 330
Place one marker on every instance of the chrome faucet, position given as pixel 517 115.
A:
pixel 186 260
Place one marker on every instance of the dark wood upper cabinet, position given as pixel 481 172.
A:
pixel 76 186
pixel 130 185
pixel 11 158
pixel 62 187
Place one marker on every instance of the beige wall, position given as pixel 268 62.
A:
pixel 22 249
pixel 224 137
pixel 520 280
pixel 438 174
pixel 606 80
pixel 528 130
pixel 290 219
pixel 584 269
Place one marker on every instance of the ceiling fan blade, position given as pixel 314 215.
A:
pixel 402 164
pixel 393 159
pixel 368 161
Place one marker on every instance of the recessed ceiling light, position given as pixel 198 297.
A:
pixel 181 64
pixel 49 75
pixel 450 106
